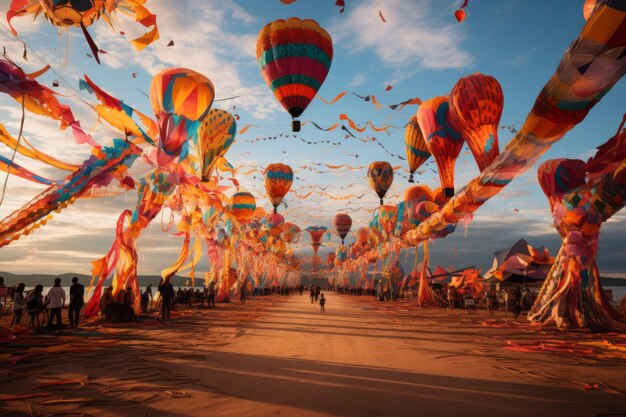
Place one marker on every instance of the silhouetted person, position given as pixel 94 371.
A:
pixel 146 297
pixel 35 305
pixel 77 300
pixel 56 298
pixel 242 292
pixel 166 289
pixel 19 305
pixel 322 302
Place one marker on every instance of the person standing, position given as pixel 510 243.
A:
pixel 166 289
pixel 211 296
pixel 317 292
pixel 490 298
pixel 56 298
pixel 19 305
pixel 77 300
pixel 242 292
pixel 146 297
pixel 312 293
pixel 322 302
pixel 451 298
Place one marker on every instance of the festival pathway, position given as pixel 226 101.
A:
pixel 285 358
pixel 354 361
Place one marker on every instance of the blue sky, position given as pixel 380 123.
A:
pixel 421 51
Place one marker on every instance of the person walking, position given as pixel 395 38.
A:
pixel 322 302
pixel 56 299
pixel 312 293
pixel 77 300
pixel 19 305
pixel 35 306
pixel 317 292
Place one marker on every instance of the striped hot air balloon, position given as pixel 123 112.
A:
pixel 476 103
pixel 443 142
pixel 387 218
pixel 278 180
pixel 294 57
pixel 343 223
pixel 180 98
pixel 243 206
pixel 416 150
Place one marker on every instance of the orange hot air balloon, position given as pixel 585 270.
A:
pixel 278 180
pixel 294 57
pixel 443 142
pixel 416 150
pixel 343 223
pixel 180 98
pixel 387 218
pixel 412 197
pixel 588 8
pixel 380 175
pixel 476 103
pixel 243 206
pixel 215 135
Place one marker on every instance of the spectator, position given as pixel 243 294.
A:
pixel 19 305
pixel 77 295
pixel 56 299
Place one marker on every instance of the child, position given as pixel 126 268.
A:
pixel 322 302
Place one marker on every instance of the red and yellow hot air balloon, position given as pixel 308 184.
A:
pixel 387 218
pixel 443 142
pixel 416 150
pixel 278 180
pixel 243 206
pixel 476 103
pixel 180 98
pixel 215 135
pixel 343 223
pixel 294 57
pixel 380 175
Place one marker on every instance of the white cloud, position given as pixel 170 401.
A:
pixel 413 35
pixel 203 41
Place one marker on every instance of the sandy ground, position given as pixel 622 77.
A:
pixel 284 358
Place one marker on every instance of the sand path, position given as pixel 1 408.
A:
pixel 291 360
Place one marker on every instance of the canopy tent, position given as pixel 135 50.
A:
pixel 521 263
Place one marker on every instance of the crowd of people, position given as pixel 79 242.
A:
pixel 44 311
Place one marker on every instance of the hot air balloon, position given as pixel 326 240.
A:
pixel 416 150
pixel 215 135
pixel 341 254
pixel 476 103
pixel 443 142
pixel 588 8
pixel 380 175
pixel 316 233
pixel 387 218
pixel 291 233
pixel 412 197
pixel 278 180
pixel 243 206
pixel 180 98
pixel 294 57
pixel 274 222
pixel 343 223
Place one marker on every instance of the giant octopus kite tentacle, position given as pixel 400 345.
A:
pixel 39 99
pixel 592 65
pixel 99 170
pixel 580 201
